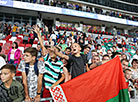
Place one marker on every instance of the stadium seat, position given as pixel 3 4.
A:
pixel 35 42
pixel 1 44
pixel 21 45
pixel 21 36
pixel 100 32
pixel 28 45
pixel 92 31
pixel 12 39
pixel 6 51
pixel 9 42
pixel 106 33
pixel 57 28
pixel 34 45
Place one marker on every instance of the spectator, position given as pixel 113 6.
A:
pixel 134 69
pixel 109 52
pixel 39 51
pixel 99 50
pixel 5 29
pixel 86 49
pixel 31 37
pixel 125 52
pixel 119 41
pixel 105 57
pixel 10 90
pixel 124 56
pixel 53 67
pixel 68 51
pixel 136 55
pixel 99 40
pixel 9 29
pixel 53 37
pixel 131 88
pixel 2 60
pixel 14 54
pixel 95 59
pixel 127 42
pixel 26 36
pixel 78 62
pixel 114 51
pixel 23 29
pixel 124 63
pixel 32 74
pixel 14 30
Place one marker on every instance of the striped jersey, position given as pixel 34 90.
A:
pixel 53 70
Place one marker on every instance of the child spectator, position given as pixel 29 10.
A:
pixel 10 90
pixel 77 61
pixel 53 66
pixel 131 88
pixel 32 74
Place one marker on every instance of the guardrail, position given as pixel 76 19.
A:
pixel 45 99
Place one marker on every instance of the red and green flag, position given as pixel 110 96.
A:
pixel 105 83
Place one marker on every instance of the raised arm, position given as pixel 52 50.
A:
pixel 37 31
pixel 61 55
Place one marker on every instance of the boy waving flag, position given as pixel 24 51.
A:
pixel 106 83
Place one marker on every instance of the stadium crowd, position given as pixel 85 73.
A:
pixel 57 58
pixel 82 7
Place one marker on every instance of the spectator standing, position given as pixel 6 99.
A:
pixel 53 67
pixel 32 74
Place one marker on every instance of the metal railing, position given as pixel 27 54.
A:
pixel 45 99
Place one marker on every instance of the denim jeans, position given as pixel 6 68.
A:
pixel 12 62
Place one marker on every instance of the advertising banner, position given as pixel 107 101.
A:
pixel 8 3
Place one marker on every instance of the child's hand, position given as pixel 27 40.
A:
pixel 28 99
pixel 52 49
pixel 53 86
pixel 37 98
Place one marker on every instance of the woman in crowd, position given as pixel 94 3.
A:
pixel 14 54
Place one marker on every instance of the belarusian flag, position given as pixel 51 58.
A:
pixel 105 83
